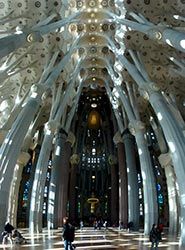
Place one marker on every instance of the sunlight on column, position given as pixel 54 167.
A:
pixel 169 42
pixel 140 151
pixel 159 116
pixel 182 44
pixel 171 146
pixel 34 95
pixel 146 208
pixel 58 150
pixel 143 175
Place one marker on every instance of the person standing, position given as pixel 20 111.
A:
pixel 155 236
pixel 105 225
pixel 81 225
pixel 68 234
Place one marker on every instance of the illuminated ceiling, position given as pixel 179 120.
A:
pixel 93 52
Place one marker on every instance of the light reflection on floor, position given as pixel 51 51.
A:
pixel 90 239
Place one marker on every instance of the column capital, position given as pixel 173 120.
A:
pixel 112 159
pixel 117 138
pixel 71 138
pixel 23 158
pixel 74 159
pixel 154 86
pixel 38 89
pixel 45 96
pixel 144 93
pixel 52 126
pixel 165 160
pixel 136 126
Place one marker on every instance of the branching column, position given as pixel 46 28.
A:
pixel 176 142
pixel 10 150
pixel 171 127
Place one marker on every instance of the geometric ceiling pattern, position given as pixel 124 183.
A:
pixel 95 26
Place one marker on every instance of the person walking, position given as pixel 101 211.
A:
pixel 155 236
pixel 68 234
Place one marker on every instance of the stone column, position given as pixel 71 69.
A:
pixel 114 190
pixel 173 199
pixel 62 191
pixel 12 42
pixel 123 184
pixel 14 192
pixel 56 173
pixel 133 189
pixel 36 208
pixel 176 142
pixel 72 191
pixel 171 128
pixel 160 33
pixel 32 174
pixel 11 148
pixel 149 183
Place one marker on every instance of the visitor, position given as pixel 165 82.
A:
pixel 155 236
pixel 99 224
pixel 105 225
pixel 130 226
pixel 17 237
pixel 121 226
pixel 95 224
pixel 81 225
pixel 68 234
pixel 7 234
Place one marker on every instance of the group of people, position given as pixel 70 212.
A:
pixel 13 235
pixel 69 233
pixel 129 226
pixel 98 224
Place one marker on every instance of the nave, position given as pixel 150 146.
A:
pixel 88 238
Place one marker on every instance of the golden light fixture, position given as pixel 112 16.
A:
pixel 93 201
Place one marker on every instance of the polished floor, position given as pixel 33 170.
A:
pixel 89 239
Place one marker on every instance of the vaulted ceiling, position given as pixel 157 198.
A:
pixel 94 27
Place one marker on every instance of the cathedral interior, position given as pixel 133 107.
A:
pixel 92 109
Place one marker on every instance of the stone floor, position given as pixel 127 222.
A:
pixel 90 239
